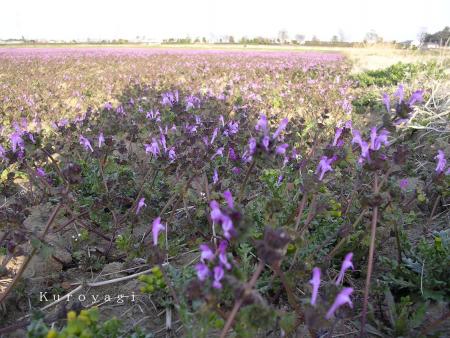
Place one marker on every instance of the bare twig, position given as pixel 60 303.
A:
pixel 33 252
pixel 240 301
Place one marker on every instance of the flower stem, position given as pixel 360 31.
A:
pixel 30 256
pixel 237 305
pixel 373 230
pixel 244 183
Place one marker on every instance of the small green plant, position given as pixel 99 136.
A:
pixel 403 317
pixel 86 324
pixel 423 271
pixel 153 282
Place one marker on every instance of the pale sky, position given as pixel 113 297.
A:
pixel 157 19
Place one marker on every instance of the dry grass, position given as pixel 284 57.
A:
pixel 371 58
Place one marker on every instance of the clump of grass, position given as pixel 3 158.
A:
pixel 397 73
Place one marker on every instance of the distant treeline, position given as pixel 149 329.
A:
pixel 260 41
pixel 442 37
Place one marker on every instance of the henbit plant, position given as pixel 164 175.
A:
pixel 160 168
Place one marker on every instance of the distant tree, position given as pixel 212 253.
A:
pixel 422 34
pixel 315 38
pixel 231 39
pixel 283 36
pixel 440 37
pixel 372 37
pixel 341 35
pixel 335 39
pixel 300 38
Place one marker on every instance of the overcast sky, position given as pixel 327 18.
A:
pixel 158 19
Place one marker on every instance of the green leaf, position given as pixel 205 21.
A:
pixel 391 306
pixel 418 316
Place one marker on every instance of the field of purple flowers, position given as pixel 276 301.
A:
pixel 220 193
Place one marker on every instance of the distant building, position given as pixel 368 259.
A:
pixel 430 45
pixel 11 42
pixel 410 44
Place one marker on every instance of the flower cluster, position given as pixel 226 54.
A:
pixel 265 142
pixel 403 108
pixel 441 165
pixel 155 146
pixel 343 297
pixel 218 260
pixel 377 138
pixel 213 264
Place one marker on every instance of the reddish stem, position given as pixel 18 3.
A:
pixel 373 230
pixel 240 301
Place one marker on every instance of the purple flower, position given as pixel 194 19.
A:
pixel 217 216
pixel 218 275
pixel 403 183
pixel 281 149
pixel 31 137
pixel 222 120
pixel 227 227
pixel 252 145
pixel 441 161
pixel 172 155
pixel 153 148
pixel 280 128
pixel 324 166
pixel 376 140
pixel 2 153
pixel 346 264
pixel 387 102
pixel 280 179
pixel 315 282
pixel 63 123
pixel 85 143
pixel 214 135
pixel 236 170
pixel 202 271
pixel 215 176
pixel 198 119
pixel 140 205
pixel 399 93
pixel 157 226
pixel 229 198
pixel 223 255
pixel 232 128
pixel 232 154
pixel 162 139
pixel 206 253
pixel 337 135
pixel 363 145
pixel 192 102
pixel 216 213
pixel 16 141
pixel 219 152
pixel 169 98
pixel 101 140
pixel 153 115
pixel 342 298
pixel 41 172
pixel 261 125
pixel 417 96
pixel 265 142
